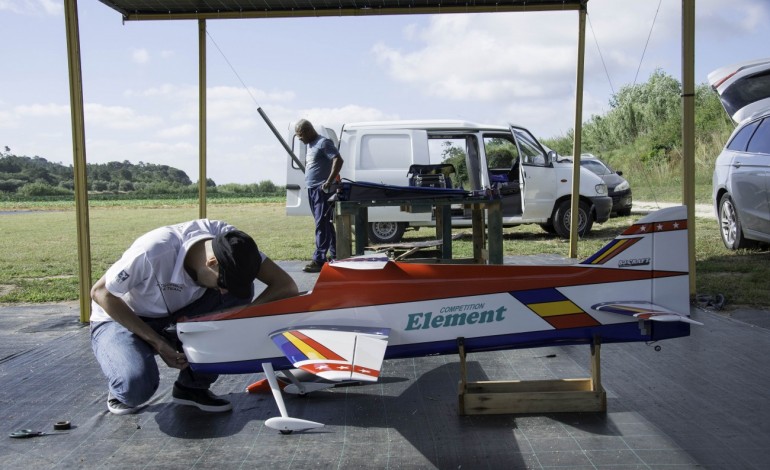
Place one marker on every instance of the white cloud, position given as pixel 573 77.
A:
pixel 7 120
pixel 118 118
pixel 743 16
pixel 484 57
pixel 140 56
pixel 42 110
pixel 335 117
pixel 50 7
pixel 184 130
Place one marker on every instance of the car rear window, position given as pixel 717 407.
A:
pixel 760 142
pixel 745 91
pixel 741 139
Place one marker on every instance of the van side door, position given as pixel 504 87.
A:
pixel 537 177
pixel 502 157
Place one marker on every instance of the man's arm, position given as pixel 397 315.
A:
pixel 336 167
pixel 122 313
pixel 279 284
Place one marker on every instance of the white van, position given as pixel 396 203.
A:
pixel 534 185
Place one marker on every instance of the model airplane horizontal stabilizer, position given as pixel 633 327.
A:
pixel 644 311
pixel 337 354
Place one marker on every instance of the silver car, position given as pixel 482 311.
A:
pixel 741 182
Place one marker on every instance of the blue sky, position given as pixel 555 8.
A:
pixel 140 78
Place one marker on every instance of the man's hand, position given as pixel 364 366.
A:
pixel 171 356
pixel 122 313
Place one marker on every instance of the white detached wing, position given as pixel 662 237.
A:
pixel 338 353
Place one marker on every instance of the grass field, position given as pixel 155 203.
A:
pixel 39 260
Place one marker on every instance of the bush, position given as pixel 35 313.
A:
pixel 42 189
pixel 12 185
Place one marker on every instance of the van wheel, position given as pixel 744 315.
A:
pixel 381 233
pixel 730 225
pixel 562 214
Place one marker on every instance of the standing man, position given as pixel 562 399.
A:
pixel 322 166
pixel 186 269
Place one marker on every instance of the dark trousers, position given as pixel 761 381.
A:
pixel 323 214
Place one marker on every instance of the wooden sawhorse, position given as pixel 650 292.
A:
pixel 533 396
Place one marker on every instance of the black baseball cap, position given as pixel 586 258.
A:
pixel 239 261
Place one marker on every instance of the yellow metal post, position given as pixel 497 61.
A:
pixel 202 118
pixel 79 158
pixel 577 143
pixel 688 129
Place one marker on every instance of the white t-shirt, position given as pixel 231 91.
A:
pixel 150 276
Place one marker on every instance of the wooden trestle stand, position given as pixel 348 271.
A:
pixel 533 396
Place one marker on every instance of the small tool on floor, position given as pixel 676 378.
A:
pixel 25 433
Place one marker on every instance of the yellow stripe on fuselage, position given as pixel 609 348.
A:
pixel 619 246
pixel 547 309
pixel 302 346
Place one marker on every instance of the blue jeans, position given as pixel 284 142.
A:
pixel 323 214
pixel 129 362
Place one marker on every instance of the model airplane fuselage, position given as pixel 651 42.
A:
pixel 364 310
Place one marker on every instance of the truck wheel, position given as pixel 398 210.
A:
pixel 381 233
pixel 562 214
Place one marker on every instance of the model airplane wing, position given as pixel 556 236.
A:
pixel 335 353
pixel 644 311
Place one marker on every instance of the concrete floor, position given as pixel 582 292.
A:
pixel 699 402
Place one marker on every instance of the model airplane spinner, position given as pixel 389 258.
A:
pixel 367 309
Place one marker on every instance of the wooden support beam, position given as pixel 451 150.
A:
pixel 533 396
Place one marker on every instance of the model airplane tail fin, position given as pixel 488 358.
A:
pixel 658 244
pixel 657 241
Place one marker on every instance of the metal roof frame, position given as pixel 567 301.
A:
pixel 232 9
pixel 203 10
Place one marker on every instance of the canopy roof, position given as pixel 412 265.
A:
pixel 224 9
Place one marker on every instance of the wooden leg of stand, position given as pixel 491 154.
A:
pixel 463 374
pixel 596 374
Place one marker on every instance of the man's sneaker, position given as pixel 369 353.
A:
pixel 117 407
pixel 313 267
pixel 200 397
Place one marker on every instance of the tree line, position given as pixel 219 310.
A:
pixel 31 177
pixel 640 133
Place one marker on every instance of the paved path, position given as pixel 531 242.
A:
pixel 701 210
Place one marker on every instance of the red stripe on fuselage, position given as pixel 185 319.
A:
pixel 405 282
pixel 574 320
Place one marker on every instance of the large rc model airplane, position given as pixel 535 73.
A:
pixel 367 309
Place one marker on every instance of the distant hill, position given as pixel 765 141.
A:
pixel 24 178
pixel 16 172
